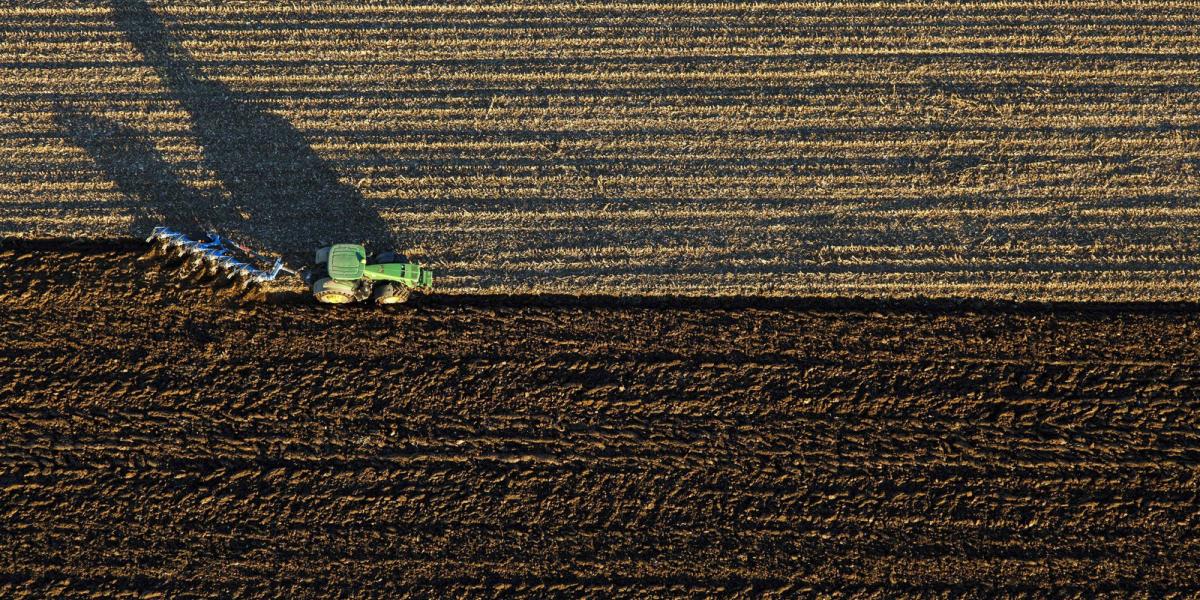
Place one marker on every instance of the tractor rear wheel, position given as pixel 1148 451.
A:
pixel 331 291
pixel 390 293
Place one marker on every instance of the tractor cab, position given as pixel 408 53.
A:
pixel 346 262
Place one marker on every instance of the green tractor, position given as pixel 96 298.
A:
pixel 345 273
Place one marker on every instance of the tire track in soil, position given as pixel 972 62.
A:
pixel 164 436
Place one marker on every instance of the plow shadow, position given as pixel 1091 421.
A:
pixel 142 173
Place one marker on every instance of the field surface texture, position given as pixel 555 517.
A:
pixel 1023 150
pixel 190 441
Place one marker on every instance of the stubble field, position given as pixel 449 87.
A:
pixel 1027 150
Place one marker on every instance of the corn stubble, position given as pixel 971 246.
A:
pixel 1031 150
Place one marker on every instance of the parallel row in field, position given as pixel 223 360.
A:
pixel 1009 149
pixel 257 449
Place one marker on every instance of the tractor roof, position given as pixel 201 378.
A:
pixel 346 261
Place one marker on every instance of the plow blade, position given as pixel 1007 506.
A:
pixel 224 254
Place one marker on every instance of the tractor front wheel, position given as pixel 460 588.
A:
pixel 331 291
pixel 390 293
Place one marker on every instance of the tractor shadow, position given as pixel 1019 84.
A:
pixel 282 195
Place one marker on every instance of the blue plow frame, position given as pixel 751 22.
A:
pixel 220 252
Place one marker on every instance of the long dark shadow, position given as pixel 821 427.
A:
pixel 141 173
pixel 864 307
pixel 294 200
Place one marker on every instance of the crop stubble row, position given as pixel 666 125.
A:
pixel 1041 150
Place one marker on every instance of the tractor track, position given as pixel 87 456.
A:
pixel 185 438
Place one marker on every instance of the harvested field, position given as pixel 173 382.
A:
pixel 174 438
pixel 1027 150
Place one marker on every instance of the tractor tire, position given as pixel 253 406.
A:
pixel 323 255
pixel 390 293
pixel 330 291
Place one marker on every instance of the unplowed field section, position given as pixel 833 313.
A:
pixel 185 440
pixel 1027 150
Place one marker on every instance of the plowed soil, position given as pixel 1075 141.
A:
pixel 175 437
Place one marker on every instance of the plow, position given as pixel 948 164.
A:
pixel 339 274
pixel 235 260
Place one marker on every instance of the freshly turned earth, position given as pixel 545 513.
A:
pixel 172 435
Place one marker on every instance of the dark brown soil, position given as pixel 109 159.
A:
pixel 173 437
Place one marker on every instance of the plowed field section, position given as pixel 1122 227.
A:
pixel 1021 150
pixel 186 440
